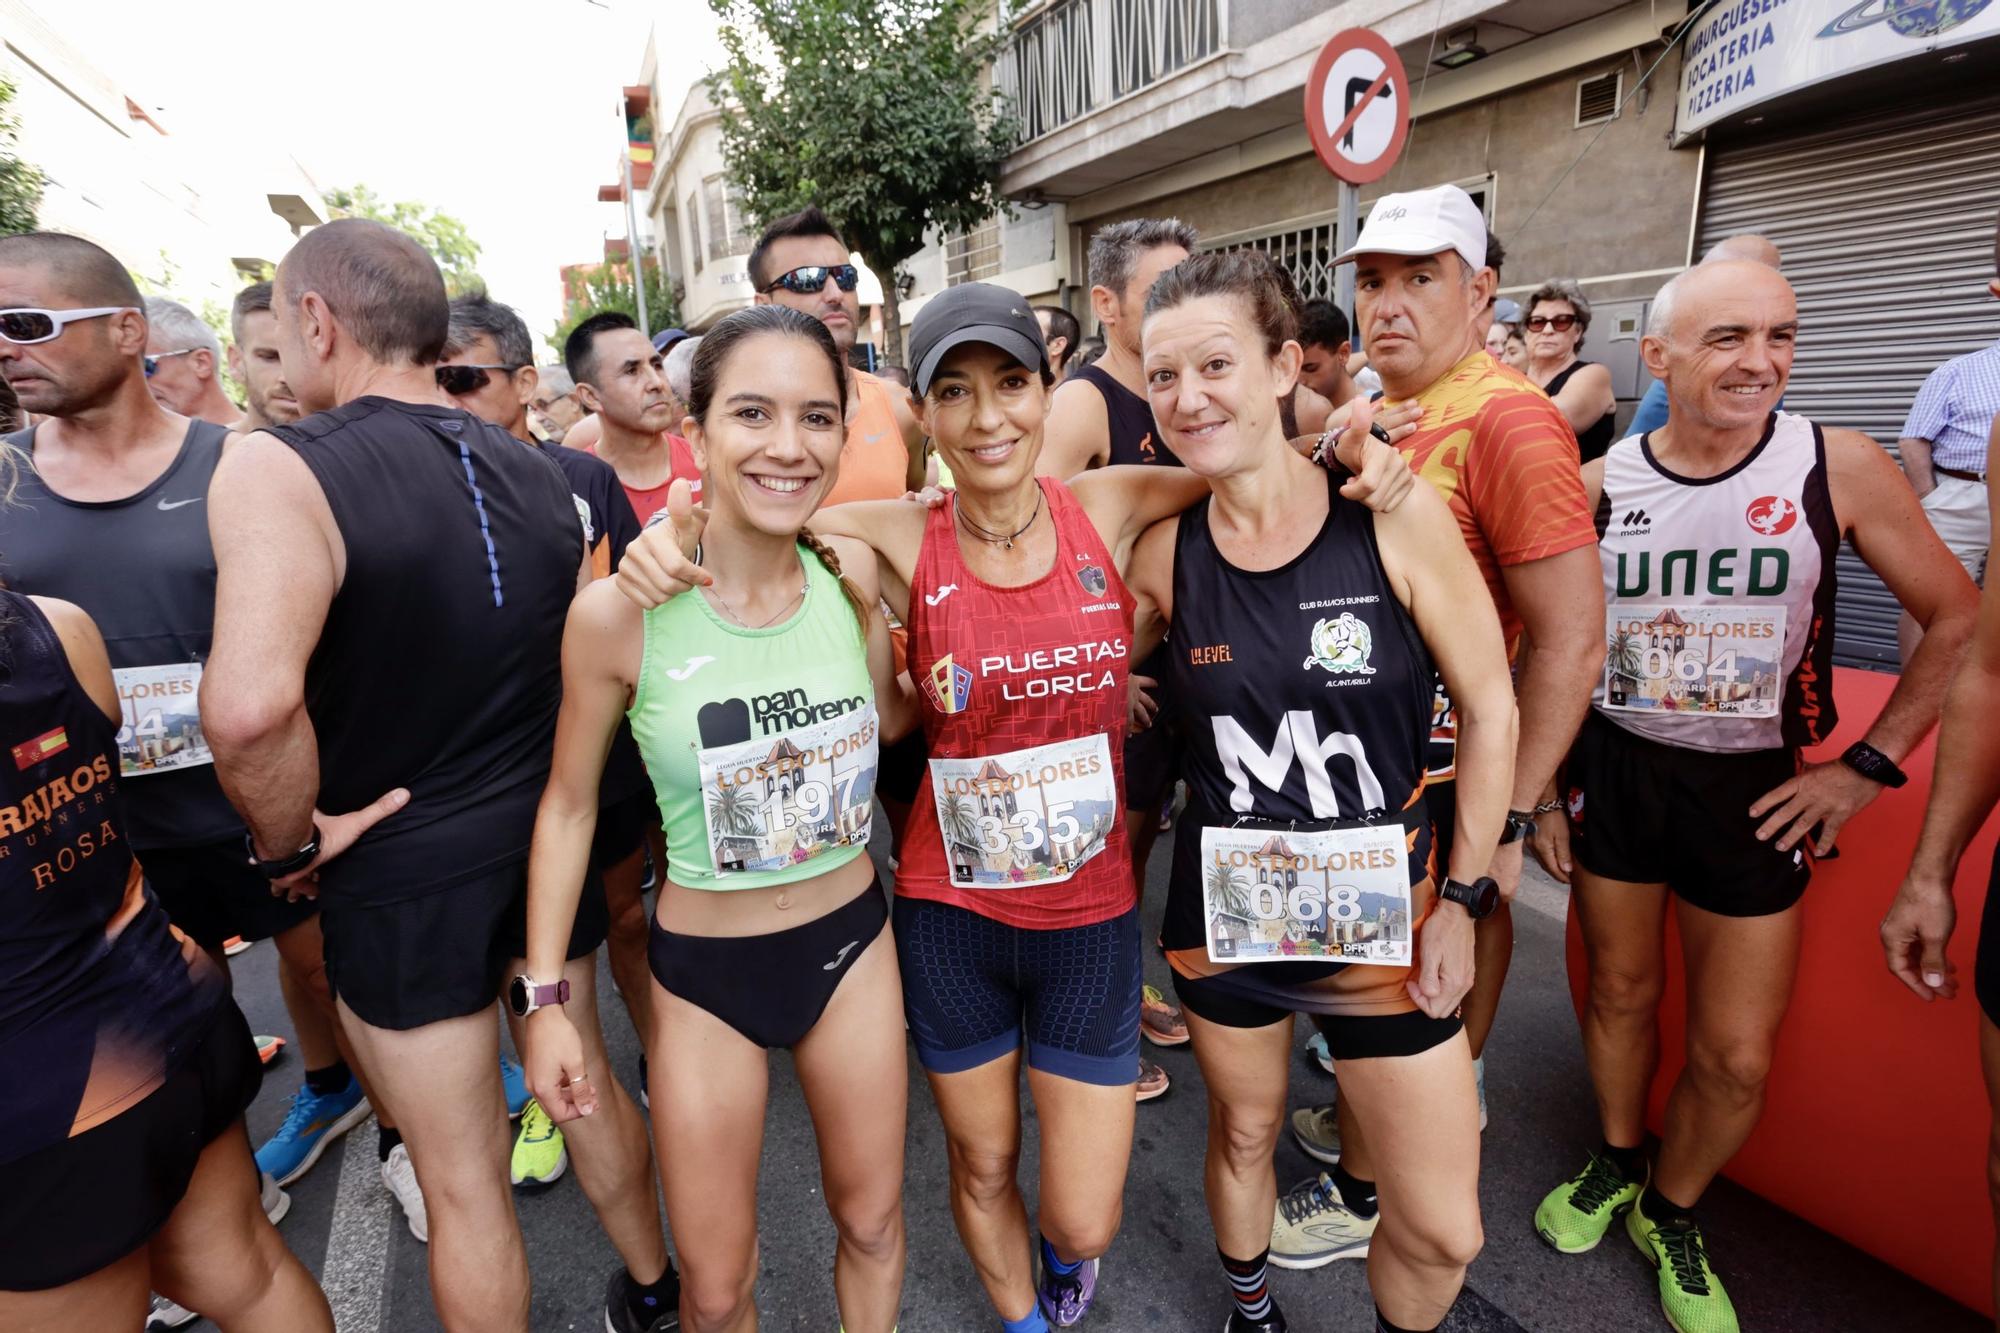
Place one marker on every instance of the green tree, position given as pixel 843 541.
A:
pixel 448 240
pixel 609 287
pixel 879 111
pixel 20 182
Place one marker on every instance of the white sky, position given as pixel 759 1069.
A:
pixel 502 112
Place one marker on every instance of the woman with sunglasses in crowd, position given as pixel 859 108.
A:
pixel 1558 314
pixel 1303 632
pixel 759 705
pixel 128 1066
pixel 1016 918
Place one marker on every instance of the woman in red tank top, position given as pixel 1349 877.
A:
pixel 1016 917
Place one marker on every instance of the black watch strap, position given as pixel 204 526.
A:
pixel 290 865
pixel 1872 764
pixel 1520 824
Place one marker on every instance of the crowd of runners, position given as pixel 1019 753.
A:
pixel 382 672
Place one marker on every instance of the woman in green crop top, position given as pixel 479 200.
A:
pixel 759 707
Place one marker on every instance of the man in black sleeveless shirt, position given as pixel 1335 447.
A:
pixel 392 580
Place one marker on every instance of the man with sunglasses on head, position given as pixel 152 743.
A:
pixel 621 378
pixel 113 517
pixel 184 363
pixel 801 261
pixel 253 360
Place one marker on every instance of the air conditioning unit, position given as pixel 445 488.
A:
pixel 1598 98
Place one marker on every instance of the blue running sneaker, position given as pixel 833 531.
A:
pixel 514 1082
pixel 1066 1297
pixel 314 1121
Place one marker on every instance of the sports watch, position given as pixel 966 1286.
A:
pixel 525 995
pixel 1478 898
pixel 286 865
pixel 1872 764
pixel 1520 824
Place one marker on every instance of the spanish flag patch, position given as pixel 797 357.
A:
pixel 29 753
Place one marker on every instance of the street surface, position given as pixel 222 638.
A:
pixel 1162 1274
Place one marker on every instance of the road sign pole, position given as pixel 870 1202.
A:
pixel 1350 226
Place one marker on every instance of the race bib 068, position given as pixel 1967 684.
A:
pixel 1339 895
pixel 1698 661
pixel 1028 816
pixel 784 799
pixel 160 724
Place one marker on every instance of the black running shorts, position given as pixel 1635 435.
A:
pixel 213 892
pixel 1348 1036
pixel 1986 966
pixel 406 964
pixel 82 1204
pixel 621 829
pixel 1649 813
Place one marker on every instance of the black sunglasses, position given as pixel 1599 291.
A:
pixel 464 379
pixel 808 279
pixel 1560 323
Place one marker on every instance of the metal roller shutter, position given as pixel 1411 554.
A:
pixel 1886 222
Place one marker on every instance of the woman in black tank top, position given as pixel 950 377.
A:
pixel 125 1067
pixel 1303 632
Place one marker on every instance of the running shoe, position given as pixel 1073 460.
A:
pixel 1691 1296
pixel 1576 1214
pixel 1153 1080
pixel 314 1121
pixel 1238 1324
pixel 165 1314
pixel 539 1155
pixel 1316 1047
pixel 401 1179
pixel 275 1201
pixel 1066 1298
pixel 1317 1128
pixel 1313 1227
pixel 268 1047
pixel 645 1087
pixel 618 1303
pixel 1159 1022
pixel 234 945
pixel 1479 1082
pixel 514 1084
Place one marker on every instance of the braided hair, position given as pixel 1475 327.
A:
pixel 735 331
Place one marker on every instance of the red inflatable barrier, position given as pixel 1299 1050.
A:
pixel 1861 1063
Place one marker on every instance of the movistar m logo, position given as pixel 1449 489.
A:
pixel 1766 572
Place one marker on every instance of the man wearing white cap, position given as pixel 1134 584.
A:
pixel 1503 456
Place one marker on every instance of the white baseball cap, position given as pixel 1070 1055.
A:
pixel 1423 222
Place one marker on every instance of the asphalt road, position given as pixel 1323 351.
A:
pixel 1782 1273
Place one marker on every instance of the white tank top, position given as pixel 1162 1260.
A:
pixel 1719 595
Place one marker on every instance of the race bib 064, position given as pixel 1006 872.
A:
pixel 1028 816
pixel 1698 661
pixel 1339 895
pixel 160 725
pixel 782 800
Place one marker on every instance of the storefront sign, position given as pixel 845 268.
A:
pixel 1750 51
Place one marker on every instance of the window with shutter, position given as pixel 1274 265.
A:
pixel 1597 98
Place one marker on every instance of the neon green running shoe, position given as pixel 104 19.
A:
pixel 1691 1296
pixel 539 1155
pixel 1574 1215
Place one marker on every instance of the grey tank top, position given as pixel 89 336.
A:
pixel 144 570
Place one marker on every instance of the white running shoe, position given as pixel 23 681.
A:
pixel 165 1314
pixel 401 1179
pixel 276 1202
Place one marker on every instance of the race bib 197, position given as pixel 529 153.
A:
pixel 160 724
pixel 1339 895
pixel 1699 661
pixel 782 800
pixel 1028 816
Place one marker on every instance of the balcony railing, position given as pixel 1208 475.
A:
pixel 1075 56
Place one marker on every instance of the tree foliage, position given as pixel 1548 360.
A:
pixel 609 287
pixel 447 239
pixel 20 182
pixel 879 111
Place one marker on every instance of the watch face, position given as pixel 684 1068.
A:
pixel 517 996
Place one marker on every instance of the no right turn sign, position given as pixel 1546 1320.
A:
pixel 1358 105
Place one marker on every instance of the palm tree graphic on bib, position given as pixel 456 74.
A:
pixel 1342 646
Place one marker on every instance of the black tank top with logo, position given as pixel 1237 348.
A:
pixel 440 665
pixel 1305 693
pixel 100 999
pixel 1134 438
pixel 142 567
pixel 1594 439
